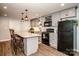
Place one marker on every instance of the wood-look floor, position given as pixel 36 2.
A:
pixel 45 50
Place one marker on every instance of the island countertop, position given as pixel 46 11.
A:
pixel 28 35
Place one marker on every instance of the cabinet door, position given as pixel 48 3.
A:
pixel 68 13
pixel 30 45
pixel 53 41
pixel 53 38
pixel 55 19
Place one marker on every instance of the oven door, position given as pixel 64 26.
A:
pixel 45 38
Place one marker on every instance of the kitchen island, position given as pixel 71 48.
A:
pixel 30 42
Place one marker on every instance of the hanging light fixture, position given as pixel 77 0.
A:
pixel 24 18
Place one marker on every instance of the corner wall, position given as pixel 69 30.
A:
pixel 4 28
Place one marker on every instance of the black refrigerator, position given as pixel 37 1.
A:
pixel 67 36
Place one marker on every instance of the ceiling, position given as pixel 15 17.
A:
pixel 35 10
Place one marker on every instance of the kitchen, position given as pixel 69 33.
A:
pixel 40 29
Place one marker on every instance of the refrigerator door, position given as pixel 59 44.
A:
pixel 66 41
pixel 65 26
pixel 66 36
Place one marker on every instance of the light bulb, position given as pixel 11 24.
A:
pixel 5 7
pixel 62 4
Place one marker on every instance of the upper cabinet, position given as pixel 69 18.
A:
pixel 64 15
pixel 55 19
pixel 68 13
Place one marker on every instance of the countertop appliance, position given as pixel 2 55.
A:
pixel 47 23
pixel 67 40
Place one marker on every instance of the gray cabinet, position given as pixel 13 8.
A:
pixel 53 39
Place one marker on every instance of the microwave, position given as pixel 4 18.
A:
pixel 47 23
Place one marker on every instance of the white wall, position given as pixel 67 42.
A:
pixel 14 24
pixel 4 28
pixel 8 23
pixel 25 26
pixel 19 26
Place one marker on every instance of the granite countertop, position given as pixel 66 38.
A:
pixel 28 35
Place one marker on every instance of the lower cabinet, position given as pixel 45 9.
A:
pixel 5 48
pixel 30 45
pixel 53 40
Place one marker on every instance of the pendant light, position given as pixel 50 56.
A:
pixel 22 19
pixel 26 17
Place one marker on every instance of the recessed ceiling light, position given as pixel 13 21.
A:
pixel 62 4
pixel 5 7
pixel 5 14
